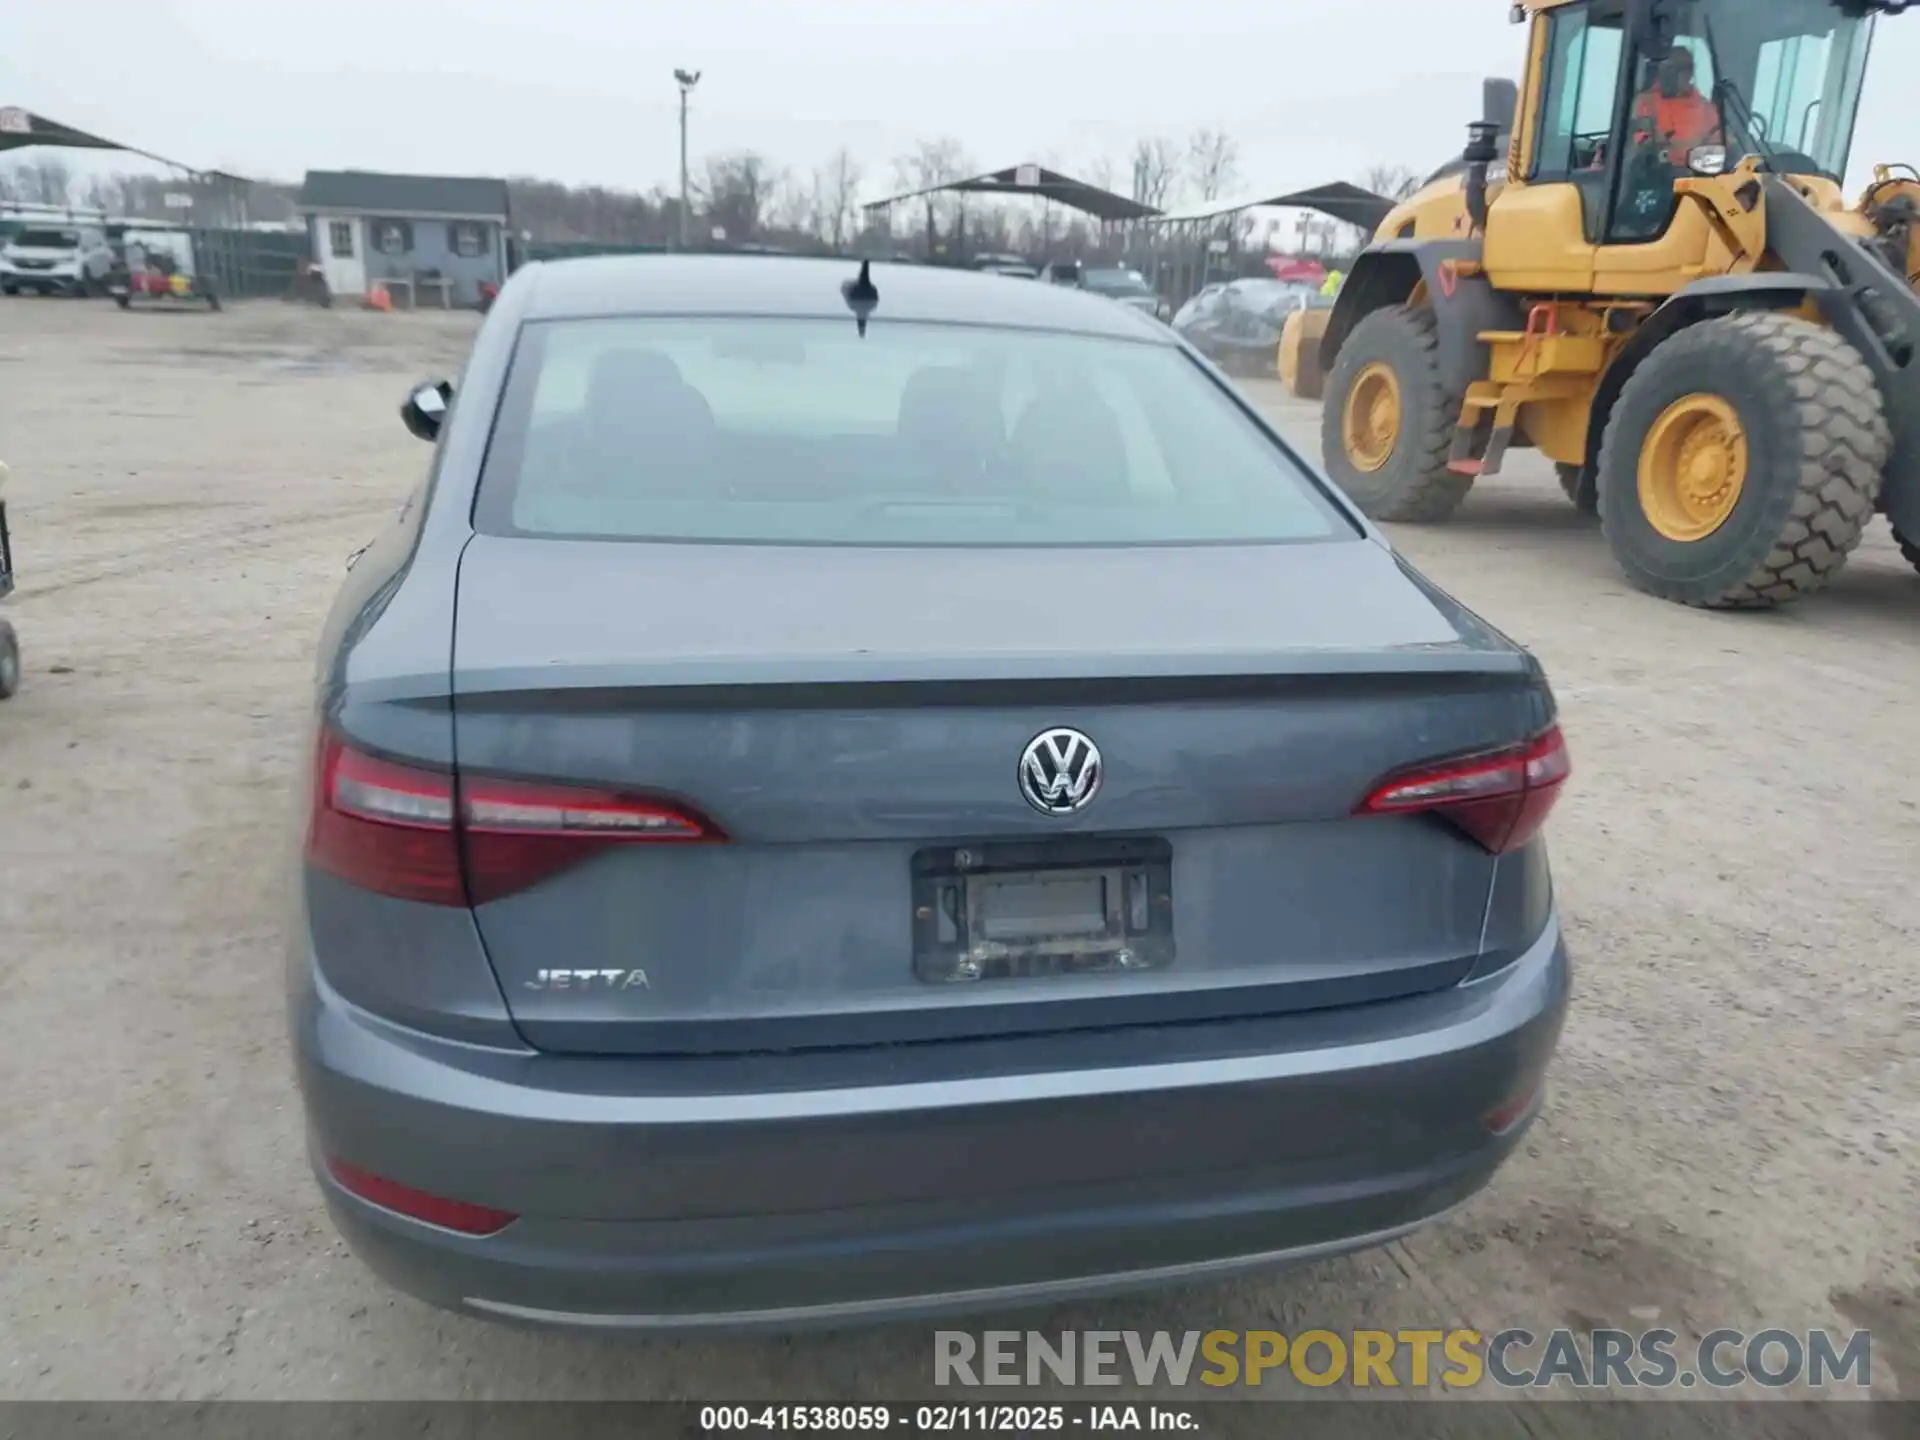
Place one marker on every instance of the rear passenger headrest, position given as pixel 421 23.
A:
pixel 943 400
pixel 631 372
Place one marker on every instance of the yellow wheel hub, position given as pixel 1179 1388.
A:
pixel 1693 466
pixel 1370 424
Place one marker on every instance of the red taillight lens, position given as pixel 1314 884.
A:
pixel 418 835
pixel 384 827
pixel 1500 799
pixel 458 1215
pixel 517 834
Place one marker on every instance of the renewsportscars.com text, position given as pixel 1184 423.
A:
pixel 1391 1359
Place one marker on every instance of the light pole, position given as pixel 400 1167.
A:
pixel 686 79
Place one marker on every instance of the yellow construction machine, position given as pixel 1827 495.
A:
pixel 1657 283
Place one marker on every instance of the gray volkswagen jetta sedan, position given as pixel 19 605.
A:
pixel 850 794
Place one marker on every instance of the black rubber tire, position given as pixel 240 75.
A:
pixel 9 662
pixel 1908 549
pixel 1579 487
pixel 1817 439
pixel 1415 483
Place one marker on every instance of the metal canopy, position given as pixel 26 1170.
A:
pixel 1339 199
pixel 21 128
pixel 236 260
pixel 1034 182
pixel 1342 201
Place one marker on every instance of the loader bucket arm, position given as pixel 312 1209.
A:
pixel 1879 315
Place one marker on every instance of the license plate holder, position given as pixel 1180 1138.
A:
pixel 1006 910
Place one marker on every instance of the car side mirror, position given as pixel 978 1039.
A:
pixel 425 408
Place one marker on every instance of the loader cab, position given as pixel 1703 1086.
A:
pixel 1625 98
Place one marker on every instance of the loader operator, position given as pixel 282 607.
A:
pixel 1673 113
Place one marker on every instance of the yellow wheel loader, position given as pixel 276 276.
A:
pixel 1659 286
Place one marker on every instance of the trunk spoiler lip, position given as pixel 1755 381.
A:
pixel 710 684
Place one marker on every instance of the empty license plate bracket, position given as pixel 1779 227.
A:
pixel 1004 910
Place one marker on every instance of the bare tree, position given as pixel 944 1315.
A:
pixel 739 189
pixel 836 195
pixel 1395 182
pixel 1214 160
pixel 790 208
pixel 1156 172
pixel 44 181
pixel 930 164
pixel 552 211
pixel 105 193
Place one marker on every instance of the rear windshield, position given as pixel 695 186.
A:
pixel 47 239
pixel 1116 282
pixel 803 432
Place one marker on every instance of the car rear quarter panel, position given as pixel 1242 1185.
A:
pixel 383 680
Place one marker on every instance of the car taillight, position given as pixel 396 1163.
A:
pixel 517 833
pixel 1501 799
pixel 384 827
pixel 419 834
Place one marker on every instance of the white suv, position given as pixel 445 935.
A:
pixel 68 259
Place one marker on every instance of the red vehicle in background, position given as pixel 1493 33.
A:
pixel 158 268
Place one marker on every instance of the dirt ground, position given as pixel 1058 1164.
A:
pixel 1734 1136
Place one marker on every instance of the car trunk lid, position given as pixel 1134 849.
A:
pixel 854 721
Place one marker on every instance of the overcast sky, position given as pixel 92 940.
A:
pixel 582 90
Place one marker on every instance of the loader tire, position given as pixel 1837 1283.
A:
pixel 1580 488
pixel 1388 420
pixel 1742 461
pixel 1908 549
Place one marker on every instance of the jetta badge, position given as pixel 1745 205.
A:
pixel 599 981
pixel 1060 771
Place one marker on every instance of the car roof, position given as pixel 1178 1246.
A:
pixel 796 287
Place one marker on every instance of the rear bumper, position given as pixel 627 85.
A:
pixel 782 1191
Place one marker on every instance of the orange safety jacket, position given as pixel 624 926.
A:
pixel 1683 123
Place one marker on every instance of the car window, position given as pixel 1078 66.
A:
pixel 801 431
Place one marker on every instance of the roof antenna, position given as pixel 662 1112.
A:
pixel 860 296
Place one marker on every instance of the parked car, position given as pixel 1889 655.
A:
pixel 1237 323
pixel 1011 271
pixel 56 259
pixel 1063 850
pixel 1127 286
pixel 1115 282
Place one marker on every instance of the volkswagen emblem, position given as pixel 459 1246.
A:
pixel 1060 771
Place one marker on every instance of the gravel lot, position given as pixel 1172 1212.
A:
pixel 1735 1132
